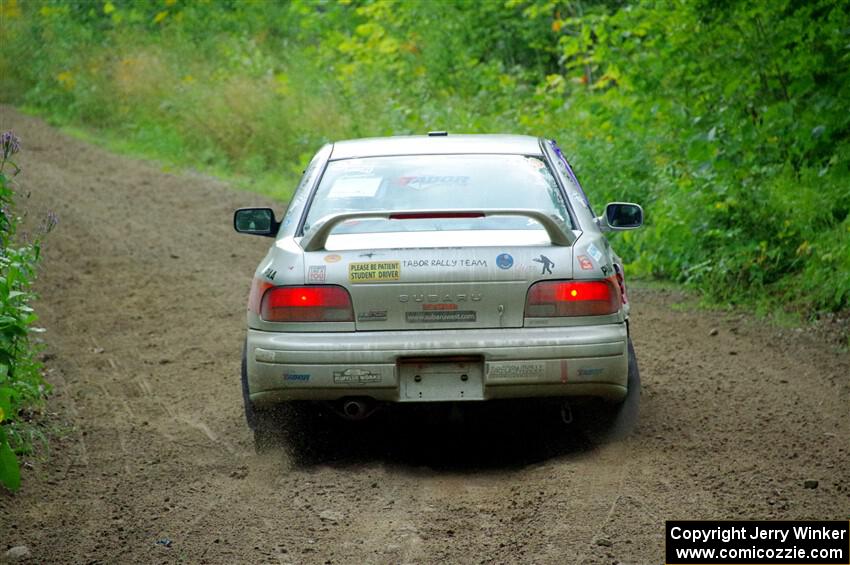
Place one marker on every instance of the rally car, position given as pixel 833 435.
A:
pixel 437 269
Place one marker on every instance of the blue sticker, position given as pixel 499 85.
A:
pixel 302 377
pixel 505 261
pixel 594 252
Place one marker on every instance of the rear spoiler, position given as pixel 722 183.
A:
pixel 317 237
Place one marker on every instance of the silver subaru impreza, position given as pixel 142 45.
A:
pixel 437 268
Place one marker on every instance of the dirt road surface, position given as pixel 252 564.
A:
pixel 143 294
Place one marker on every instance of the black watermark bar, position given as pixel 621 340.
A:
pixel 804 542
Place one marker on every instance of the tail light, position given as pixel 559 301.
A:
pixel 621 282
pixel 572 298
pixel 321 303
pixel 258 289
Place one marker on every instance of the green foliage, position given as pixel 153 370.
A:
pixel 726 120
pixel 21 384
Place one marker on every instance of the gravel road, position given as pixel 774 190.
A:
pixel 143 295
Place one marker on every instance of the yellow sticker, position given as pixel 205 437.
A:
pixel 332 258
pixel 374 271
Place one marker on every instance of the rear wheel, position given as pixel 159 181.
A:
pixel 250 410
pixel 612 422
pixel 268 424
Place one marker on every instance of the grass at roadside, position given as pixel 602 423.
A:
pixel 278 186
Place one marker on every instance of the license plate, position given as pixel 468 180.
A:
pixel 441 381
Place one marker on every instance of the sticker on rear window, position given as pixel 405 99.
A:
pixel 355 187
pixel 355 166
pixel 534 163
pixel 425 182
pixel 374 271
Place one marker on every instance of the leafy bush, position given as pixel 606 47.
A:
pixel 726 120
pixel 21 383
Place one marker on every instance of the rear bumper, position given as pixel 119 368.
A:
pixel 514 363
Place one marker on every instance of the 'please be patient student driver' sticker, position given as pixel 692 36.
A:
pixel 374 271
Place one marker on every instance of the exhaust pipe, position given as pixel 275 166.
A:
pixel 356 409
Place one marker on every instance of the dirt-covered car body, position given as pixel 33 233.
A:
pixel 437 269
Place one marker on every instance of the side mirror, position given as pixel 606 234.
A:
pixel 621 216
pixel 255 221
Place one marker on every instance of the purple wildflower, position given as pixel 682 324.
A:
pixel 11 143
pixel 49 222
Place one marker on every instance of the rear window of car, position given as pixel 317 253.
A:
pixel 438 182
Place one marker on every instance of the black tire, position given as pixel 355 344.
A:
pixel 250 410
pixel 613 422
pixel 267 424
